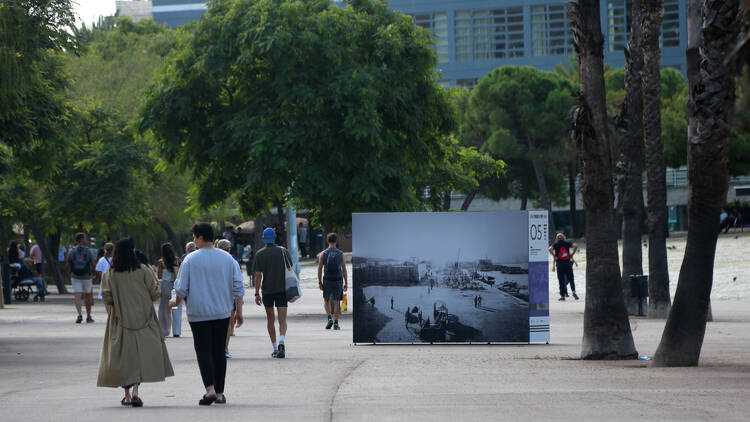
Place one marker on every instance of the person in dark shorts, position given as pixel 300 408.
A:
pixel 332 280
pixel 269 267
pixel 562 251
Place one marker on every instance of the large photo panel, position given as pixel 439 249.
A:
pixel 441 277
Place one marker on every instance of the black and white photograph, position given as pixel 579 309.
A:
pixel 441 277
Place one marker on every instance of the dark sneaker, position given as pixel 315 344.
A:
pixel 575 296
pixel 227 354
pixel 89 320
pixel 275 354
pixel 79 319
pixel 329 325
pixel 336 326
pixel 562 299
pixel 282 351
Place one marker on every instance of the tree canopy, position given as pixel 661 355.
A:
pixel 335 108
pixel 518 114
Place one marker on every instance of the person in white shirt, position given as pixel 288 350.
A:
pixel 102 266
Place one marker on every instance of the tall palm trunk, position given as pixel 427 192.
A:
pixel 693 71
pixel 606 329
pixel 652 13
pixel 708 179
pixel 630 161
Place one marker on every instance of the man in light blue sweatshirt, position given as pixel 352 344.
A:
pixel 210 282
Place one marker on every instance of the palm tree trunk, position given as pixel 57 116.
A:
pixel 652 13
pixel 606 329
pixel 629 163
pixel 693 71
pixel 708 178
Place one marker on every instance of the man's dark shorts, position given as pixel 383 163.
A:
pixel 333 289
pixel 274 299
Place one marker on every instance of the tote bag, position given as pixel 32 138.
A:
pixel 293 291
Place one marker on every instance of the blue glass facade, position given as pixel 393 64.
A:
pixel 475 36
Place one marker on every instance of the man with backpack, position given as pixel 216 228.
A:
pixel 332 280
pixel 80 265
pixel 562 251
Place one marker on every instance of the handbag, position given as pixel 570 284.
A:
pixel 291 282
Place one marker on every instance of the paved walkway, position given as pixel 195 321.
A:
pixel 48 368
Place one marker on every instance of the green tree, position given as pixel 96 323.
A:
pixel 518 114
pixel 337 108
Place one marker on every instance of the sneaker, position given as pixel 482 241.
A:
pixel 282 351
pixel 227 354
pixel 275 354
pixel 562 299
pixel 176 335
pixel 79 319
pixel 575 296
pixel 89 320
pixel 336 326
pixel 329 325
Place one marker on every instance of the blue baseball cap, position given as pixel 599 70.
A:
pixel 269 236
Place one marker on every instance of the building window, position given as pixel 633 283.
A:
pixel 550 34
pixel 618 24
pixel 489 34
pixel 670 28
pixel 437 24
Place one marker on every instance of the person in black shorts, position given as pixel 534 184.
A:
pixel 269 267
pixel 562 251
pixel 332 280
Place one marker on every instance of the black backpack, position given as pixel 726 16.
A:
pixel 332 264
pixel 80 265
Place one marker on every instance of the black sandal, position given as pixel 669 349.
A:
pixel 222 400
pixel 136 402
pixel 207 401
pixel 122 402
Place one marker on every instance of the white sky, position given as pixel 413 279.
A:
pixel 499 236
pixel 88 11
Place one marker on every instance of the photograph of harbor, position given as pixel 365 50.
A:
pixel 440 277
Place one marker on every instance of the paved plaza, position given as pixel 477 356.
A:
pixel 48 369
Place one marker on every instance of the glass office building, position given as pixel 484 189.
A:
pixel 474 37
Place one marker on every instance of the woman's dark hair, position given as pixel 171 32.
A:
pixel 141 257
pixel 203 230
pixel 167 254
pixel 13 252
pixel 99 254
pixel 124 258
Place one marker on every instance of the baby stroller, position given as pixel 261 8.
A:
pixel 21 282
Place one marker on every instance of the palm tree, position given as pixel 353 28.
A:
pixel 606 329
pixel 630 160
pixel 652 14
pixel 708 178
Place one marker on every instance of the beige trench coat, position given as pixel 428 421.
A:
pixel 133 349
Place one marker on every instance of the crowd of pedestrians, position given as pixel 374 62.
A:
pixel 206 280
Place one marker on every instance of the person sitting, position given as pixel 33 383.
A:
pixel 25 273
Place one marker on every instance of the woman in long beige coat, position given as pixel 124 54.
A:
pixel 133 349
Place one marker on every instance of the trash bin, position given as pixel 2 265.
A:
pixel 639 290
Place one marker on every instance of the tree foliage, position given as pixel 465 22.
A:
pixel 337 108
pixel 518 114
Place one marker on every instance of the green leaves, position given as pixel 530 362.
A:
pixel 335 108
